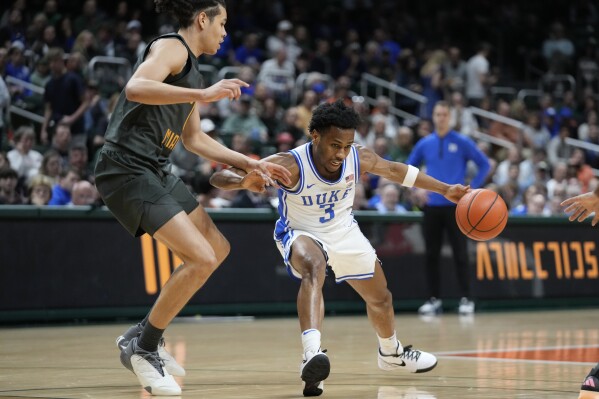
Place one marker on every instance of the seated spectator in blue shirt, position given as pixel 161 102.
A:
pixel 61 192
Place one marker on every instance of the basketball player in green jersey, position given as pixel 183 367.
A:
pixel 580 208
pixel 157 108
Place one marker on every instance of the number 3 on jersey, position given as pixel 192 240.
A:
pixel 328 212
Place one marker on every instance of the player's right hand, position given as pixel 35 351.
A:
pixel 256 181
pixel 226 88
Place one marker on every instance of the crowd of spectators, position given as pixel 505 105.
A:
pixel 455 52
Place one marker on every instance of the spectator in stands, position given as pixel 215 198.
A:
pixel 283 39
pixel 351 63
pixel 64 97
pixel 321 58
pixel 285 142
pixel 8 187
pixel 244 121
pixel 249 53
pixel 305 109
pixel 79 160
pixel 272 117
pixel 86 44
pixel 66 33
pixel 558 50
pixel 404 143
pixel 51 165
pixel 40 190
pixel 478 77
pixel 525 168
pixel 535 135
pixel 537 206
pixel 381 111
pixel 278 74
pixel 502 130
pixel 51 11
pixel 13 28
pixel 557 148
pixel 61 142
pixel 90 18
pixel 40 77
pixel 389 202
pixel 364 135
pixel 461 118
pixel 242 144
pixel 84 193
pixel 583 128
pixel 579 168
pixel 17 68
pixel 559 176
pixel 290 124
pixel 424 127
pixel 454 72
pixel 431 77
pixel 23 158
pixel 61 192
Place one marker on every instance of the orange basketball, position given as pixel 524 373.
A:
pixel 481 214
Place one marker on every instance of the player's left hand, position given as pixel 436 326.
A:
pixel 272 170
pixel 456 191
pixel 256 181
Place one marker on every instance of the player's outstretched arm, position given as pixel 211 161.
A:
pixel 582 206
pixel 407 175
pixel 198 142
pixel 168 57
pixel 236 179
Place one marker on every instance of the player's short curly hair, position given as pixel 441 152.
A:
pixel 335 114
pixel 185 10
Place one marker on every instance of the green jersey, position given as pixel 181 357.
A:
pixel 150 132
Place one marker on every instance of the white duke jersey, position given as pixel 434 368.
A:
pixel 316 204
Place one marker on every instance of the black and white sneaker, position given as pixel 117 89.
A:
pixel 407 359
pixel 315 368
pixel 170 363
pixel 149 369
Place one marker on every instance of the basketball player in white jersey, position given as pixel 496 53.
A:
pixel 316 228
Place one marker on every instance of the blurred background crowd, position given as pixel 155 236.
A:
pixel 522 79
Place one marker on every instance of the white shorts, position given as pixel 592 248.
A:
pixel 347 252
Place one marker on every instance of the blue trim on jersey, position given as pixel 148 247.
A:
pixel 356 164
pixel 282 225
pixel 313 167
pixel 301 174
pixel 363 276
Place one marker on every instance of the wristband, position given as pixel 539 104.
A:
pixel 411 176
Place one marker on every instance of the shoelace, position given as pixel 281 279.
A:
pixel 151 357
pixel 410 354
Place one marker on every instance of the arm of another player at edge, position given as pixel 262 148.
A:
pixel 396 172
pixel 232 179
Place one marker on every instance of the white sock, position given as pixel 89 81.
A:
pixel 390 346
pixel 311 340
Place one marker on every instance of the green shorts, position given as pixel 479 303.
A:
pixel 140 199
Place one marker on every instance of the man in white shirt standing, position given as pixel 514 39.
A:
pixel 477 75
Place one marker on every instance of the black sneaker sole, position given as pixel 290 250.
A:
pixel 311 389
pixel 315 371
pixel 427 369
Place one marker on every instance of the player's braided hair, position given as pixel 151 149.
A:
pixel 333 114
pixel 185 10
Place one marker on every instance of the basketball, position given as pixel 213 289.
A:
pixel 481 214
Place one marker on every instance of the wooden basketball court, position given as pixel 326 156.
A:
pixel 540 354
